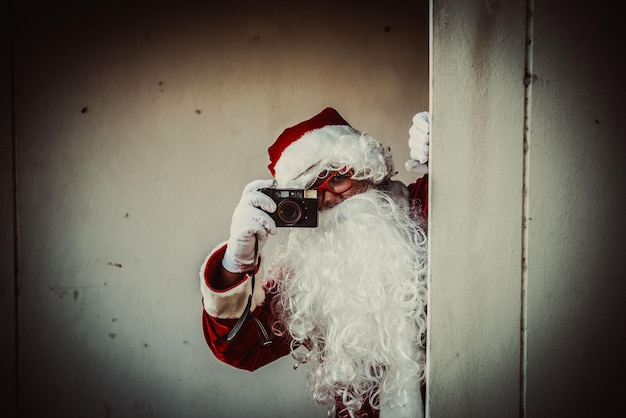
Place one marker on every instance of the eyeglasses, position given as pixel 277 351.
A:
pixel 338 182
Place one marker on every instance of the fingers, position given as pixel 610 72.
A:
pixel 253 221
pixel 421 127
pixel 420 154
pixel 416 167
pixel 419 133
pixel 257 185
pixel 258 200
pixel 249 227
pixel 418 150
pixel 422 120
pixel 251 195
pixel 419 138
pixel 251 214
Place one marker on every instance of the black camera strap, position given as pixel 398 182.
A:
pixel 265 336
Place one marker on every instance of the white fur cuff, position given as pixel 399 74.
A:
pixel 229 303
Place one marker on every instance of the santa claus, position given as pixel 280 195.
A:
pixel 348 297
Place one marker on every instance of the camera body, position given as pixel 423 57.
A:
pixel 295 208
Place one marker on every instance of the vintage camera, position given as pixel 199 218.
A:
pixel 296 208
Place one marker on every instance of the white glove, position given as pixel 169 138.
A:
pixel 250 223
pixel 419 138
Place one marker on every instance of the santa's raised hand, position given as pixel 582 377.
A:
pixel 251 224
pixel 419 140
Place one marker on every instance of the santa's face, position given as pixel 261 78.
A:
pixel 329 199
pixel 335 186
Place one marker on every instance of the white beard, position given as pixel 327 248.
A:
pixel 353 292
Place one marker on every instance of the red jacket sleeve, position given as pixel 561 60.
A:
pixel 247 349
pixel 418 195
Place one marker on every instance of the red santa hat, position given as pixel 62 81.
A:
pixel 306 144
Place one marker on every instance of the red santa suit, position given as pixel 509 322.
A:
pixel 254 346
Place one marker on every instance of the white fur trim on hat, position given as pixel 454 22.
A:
pixel 309 150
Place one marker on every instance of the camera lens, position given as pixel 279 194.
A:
pixel 289 211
